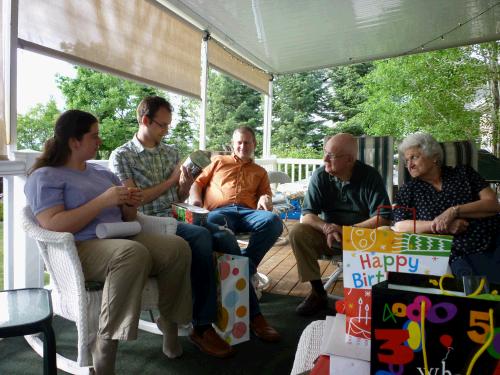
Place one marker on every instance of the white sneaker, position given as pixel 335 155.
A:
pixel 260 282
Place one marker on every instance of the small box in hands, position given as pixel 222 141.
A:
pixel 189 213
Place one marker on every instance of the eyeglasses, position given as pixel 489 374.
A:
pixel 332 156
pixel 413 159
pixel 162 126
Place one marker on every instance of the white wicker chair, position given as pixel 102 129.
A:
pixel 70 298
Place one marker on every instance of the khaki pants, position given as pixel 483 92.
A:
pixel 124 266
pixel 308 245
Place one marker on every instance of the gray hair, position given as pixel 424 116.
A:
pixel 426 142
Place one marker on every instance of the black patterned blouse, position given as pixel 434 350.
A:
pixel 461 185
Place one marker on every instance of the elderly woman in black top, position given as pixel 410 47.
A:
pixel 454 201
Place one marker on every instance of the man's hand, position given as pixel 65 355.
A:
pixel 333 233
pixel 265 203
pixel 185 181
pixel 175 175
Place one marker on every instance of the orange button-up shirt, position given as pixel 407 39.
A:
pixel 230 180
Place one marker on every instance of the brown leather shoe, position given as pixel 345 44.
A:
pixel 312 304
pixel 211 343
pixel 261 329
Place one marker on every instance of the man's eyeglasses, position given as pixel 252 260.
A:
pixel 162 126
pixel 332 156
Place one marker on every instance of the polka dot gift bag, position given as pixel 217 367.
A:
pixel 232 311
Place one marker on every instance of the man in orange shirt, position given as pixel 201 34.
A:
pixel 237 192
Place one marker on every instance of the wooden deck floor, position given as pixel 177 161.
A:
pixel 280 265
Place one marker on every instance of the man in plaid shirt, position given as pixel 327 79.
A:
pixel 150 164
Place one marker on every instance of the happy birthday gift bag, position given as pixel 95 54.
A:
pixel 368 254
pixel 233 309
pixel 416 329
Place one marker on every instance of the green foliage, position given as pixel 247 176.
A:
pixel 285 151
pixel 346 94
pixel 36 126
pixel 436 92
pixel 426 92
pixel 112 99
pixel 298 104
pixel 184 136
pixel 231 104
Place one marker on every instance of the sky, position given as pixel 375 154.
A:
pixel 36 82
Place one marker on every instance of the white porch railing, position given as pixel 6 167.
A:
pixel 297 169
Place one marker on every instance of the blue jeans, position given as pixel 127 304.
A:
pixel 265 228
pixel 202 272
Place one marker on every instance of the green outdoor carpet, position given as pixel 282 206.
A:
pixel 144 356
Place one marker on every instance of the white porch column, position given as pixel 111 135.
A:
pixel 204 93
pixel 23 266
pixel 9 45
pixel 268 113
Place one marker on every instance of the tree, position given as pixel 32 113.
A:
pixel 346 91
pixel 231 104
pixel 112 99
pixel 298 103
pixel 184 135
pixel 488 55
pixel 36 126
pixel 429 92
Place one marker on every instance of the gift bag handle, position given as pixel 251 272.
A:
pixel 412 209
pixel 447 293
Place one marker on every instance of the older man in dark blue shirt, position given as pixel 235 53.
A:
pixel 344 191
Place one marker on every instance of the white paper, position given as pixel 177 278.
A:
pixel 342 365
pixel 117 230
pixel 336 345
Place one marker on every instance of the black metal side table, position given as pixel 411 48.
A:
pixel 29 311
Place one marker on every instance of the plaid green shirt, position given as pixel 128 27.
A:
pixel 147 167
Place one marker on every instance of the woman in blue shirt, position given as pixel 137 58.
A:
pixel 67 194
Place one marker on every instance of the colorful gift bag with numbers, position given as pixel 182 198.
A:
pixel 368 254
pixel 232 311
pixel 416 329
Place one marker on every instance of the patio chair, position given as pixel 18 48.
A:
pixel 377 152
pixel 75 300
pixel 281 205
pixel 454 153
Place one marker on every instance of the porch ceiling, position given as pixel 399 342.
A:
pixel 282 36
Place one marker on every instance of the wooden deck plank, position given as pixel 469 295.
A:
pixel 274 261
pixel 289 279
pixel 270 254
pixel 281 270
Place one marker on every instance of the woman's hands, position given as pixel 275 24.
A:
pixel 449 223
pixel 458 226
pixel 122 195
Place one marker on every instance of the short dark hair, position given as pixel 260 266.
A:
pixel 245 128
pixel 150 105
